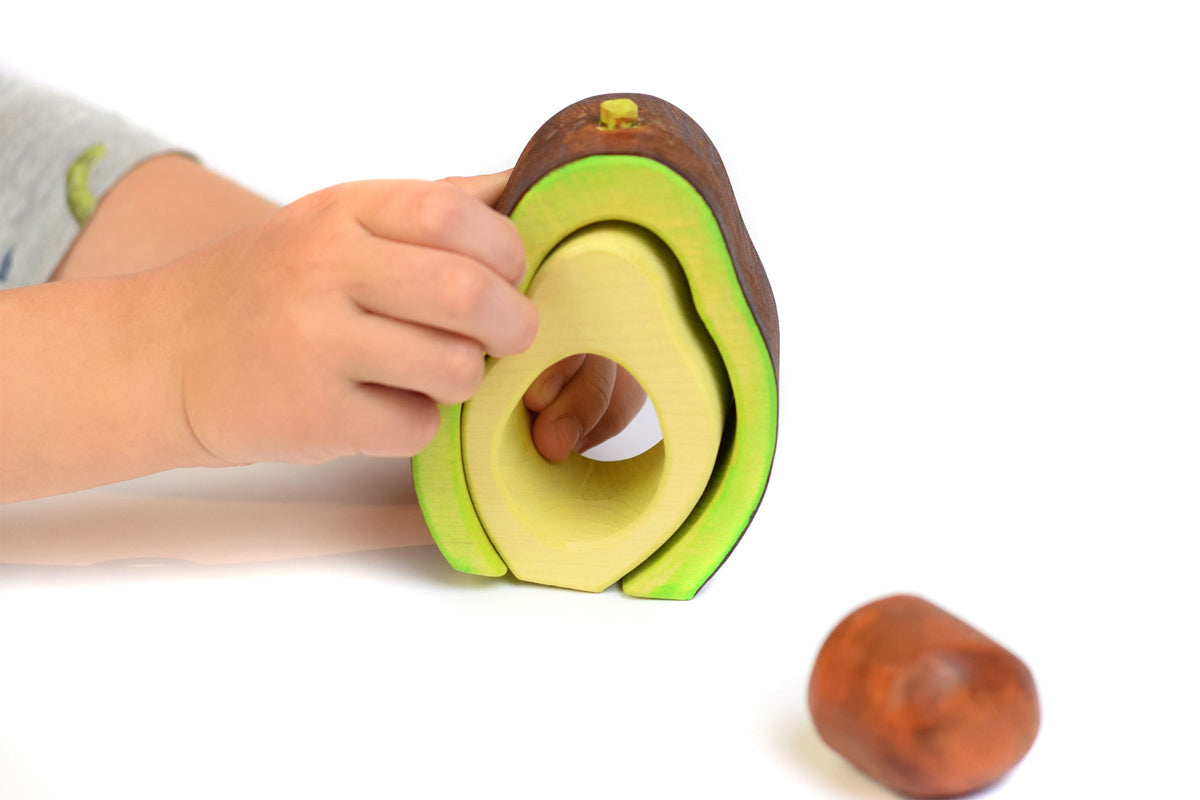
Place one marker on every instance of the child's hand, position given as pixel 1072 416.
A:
pixel 333 327
pixel 326 328
pixel 580 402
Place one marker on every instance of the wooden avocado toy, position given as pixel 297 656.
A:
pixel 636 252
pixel 921 701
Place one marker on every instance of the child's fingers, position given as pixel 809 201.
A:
pixel 440 365
pixel 443 290
pixel 580 405
pixel 386 422
pixel 545 387
pixel 627 400
pixel 439 215
pixel 486 188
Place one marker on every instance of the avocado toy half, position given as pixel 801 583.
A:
pixel 637 252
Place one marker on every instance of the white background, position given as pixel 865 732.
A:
pixel 982 224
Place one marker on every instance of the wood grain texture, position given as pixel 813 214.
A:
pixel 921 701
pixel 662 175
pixel 647 193
pixel 667 135
pixel 615 290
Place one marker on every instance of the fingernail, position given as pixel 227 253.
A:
pixel 569 430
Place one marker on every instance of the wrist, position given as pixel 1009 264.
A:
pixel 160 299
pixel 91 385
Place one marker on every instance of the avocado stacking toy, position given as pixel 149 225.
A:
pixel 636 252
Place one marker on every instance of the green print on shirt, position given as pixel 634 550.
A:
pixel 80 199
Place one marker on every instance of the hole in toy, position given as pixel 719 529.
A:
pixel 642 433
pixel 616 291
pixel 629 425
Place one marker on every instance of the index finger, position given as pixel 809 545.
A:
pixel 443 216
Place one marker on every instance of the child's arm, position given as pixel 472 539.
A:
pixel 162 209
pixel 87 394
pixel 171 205
pixel 325 328
pixel 313 331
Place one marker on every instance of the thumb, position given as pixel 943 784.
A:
pixel 486 188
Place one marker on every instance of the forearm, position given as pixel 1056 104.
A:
pixel 88 387
pixel 88 395
pixel 162 209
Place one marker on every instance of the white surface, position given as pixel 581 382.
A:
pixel 981 223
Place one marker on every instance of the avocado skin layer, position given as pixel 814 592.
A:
pixel 669 136
pixel 665 134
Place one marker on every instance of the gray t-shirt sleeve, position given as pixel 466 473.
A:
pixel 58 157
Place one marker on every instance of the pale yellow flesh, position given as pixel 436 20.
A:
pixel 614 290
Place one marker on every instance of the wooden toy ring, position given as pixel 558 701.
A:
pixel 636 252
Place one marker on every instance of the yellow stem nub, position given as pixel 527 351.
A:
pixel 618 113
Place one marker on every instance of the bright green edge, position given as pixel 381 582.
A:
pixel 441 484
pixel 569 198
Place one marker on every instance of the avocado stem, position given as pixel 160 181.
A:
pixel 620 112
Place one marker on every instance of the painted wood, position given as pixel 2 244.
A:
pixel 615 290
pixel 575 174
pixel 665 134
pixel 921 701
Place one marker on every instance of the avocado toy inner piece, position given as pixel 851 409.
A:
pixel 645 204
pixel 614 290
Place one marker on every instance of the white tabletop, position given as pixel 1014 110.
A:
pixel 981 228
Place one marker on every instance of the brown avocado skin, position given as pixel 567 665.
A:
pixel 665 134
